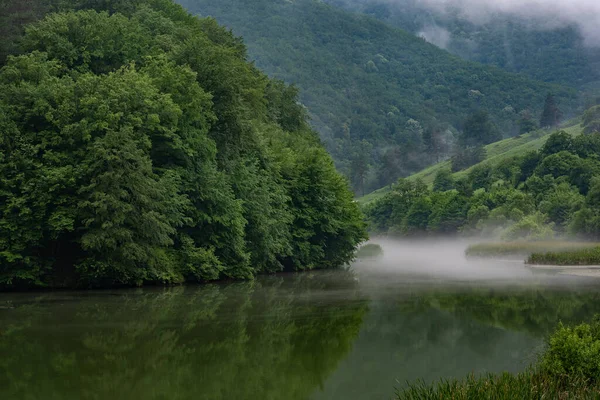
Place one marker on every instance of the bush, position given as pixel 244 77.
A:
pixel 532 227
pixel 369 250
pixel 574 352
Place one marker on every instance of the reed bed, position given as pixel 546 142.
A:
pixel 525 249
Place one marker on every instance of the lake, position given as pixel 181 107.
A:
pixel 422 311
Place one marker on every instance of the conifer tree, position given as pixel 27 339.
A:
pixel 551 115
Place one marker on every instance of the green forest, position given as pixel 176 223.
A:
pixel 385 102
pixel 537 195
pixel 138 145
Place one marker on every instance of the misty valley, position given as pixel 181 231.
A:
pixel 299 199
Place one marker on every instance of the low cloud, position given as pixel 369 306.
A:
pixel 436 35
pixel 548 13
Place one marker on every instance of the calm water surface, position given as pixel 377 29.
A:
pixel 421 312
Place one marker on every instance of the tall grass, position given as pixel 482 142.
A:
pixel 586 256
pixel 528 385
pixel 496 249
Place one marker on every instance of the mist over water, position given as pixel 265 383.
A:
pixel 444 261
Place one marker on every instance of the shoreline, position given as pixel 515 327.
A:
pixel 590 271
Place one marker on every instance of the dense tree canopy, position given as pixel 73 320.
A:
pixel 137 144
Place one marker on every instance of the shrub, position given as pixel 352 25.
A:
pixel 369 250
pixel 574 352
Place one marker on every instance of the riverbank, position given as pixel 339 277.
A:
pixel 568 368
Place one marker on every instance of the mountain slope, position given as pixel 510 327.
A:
pixel 558 54
pixel 497 152
pixel 362 80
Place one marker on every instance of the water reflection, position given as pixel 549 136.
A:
pixel 278 337
pixel 322 335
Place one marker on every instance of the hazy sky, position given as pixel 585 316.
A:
pixel 584 13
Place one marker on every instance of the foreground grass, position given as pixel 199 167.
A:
pixel 525 249
pixel 586 256
pixel 526 385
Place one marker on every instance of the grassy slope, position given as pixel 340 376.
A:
pixel 496 152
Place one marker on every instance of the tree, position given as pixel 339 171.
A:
pixel 551 114
pixel 443 181
pixel 479 130
pixel 359 165
pixel 591 120
pixel 526 122
pixel 417 217
pixel 557 142
pixel 390 167
pixel 139 145
pixel 469 156
pixel 435 144
pixel 559 164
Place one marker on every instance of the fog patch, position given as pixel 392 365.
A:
pixel 436 35
pixel 443 261
pixel 544 14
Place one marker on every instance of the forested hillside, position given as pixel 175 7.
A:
pixel 532 195
pixel 138 145
pixel 496 153
pixel 547 53
pixel 385 102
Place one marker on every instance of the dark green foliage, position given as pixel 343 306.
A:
pixel 140 145
pixel 557 142
pixel 443 181
pixel 481 177
pixel 479 130
pixel 526 122
pixel 528 164
pixel 464 158
pixel 587 146
pixel 558 164
pixel 362 80
pixel 417 217
pixel 591 120
pixel 574 352
pixel 449 212
pixel 551 115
